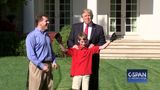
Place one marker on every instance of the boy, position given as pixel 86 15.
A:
pixel 81 67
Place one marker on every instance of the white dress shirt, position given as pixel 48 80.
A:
pixel 89 30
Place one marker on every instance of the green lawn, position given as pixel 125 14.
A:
pixel 112 74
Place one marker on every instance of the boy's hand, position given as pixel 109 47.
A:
pixel 62 47
pixel 113 37
pixel 91 45
pixel 75 46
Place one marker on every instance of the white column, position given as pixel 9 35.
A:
pixel 92 4
pixel 28 16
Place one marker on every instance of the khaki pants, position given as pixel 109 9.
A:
pixel 40 80
pixel 77 80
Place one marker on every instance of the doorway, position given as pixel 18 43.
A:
pixel 123 17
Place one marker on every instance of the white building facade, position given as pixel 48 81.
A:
pixel 138 18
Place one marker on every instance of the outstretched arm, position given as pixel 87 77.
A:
pixel 113 38
pixel 63 48
pixel 104 45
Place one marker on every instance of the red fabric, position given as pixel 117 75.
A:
pixel 52 35
pixel 86 29
pixel 82 60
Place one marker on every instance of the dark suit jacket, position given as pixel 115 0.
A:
pixel 97 34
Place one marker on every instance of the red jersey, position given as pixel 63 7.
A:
pixel 82 60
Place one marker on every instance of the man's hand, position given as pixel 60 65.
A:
pixel 75 46
pixel 54 65
pixel 45 68
pixel 91 45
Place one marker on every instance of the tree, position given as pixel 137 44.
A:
pixel 11 5
pixel 10 11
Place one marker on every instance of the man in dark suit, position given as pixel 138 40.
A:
pixel 95 35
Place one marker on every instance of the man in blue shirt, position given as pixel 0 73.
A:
pixel 40 55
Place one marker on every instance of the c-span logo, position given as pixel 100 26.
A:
pixel 137 75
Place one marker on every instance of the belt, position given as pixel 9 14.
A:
pixel 46 61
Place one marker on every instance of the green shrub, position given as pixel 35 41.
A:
pixel 65 34
pixel 21 48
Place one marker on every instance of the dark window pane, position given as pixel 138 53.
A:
pixel 46 7
pixel 51 14
pixel 61 1
pixel 128 21
pixel 51 20
pixel 61 21
pixel 128 28
pixel 113 1
pixel 46 1
pixel 118 14
pixel 128 14
pixel 134 14
pixel 118 1
pixel 67 21
pixel 52 7
pixel 113 14
pixel 51 27
pixel 128 7
pixel 67 14
pixel 61 7
pixel 47 12
pixel 67 1
pixel 118 21
pixel 134 7
pixel 118 28
pixel 67 7
pixel 134 1
pixel 51 1
pixel 131 1
pixel 61 14
pixel 118 7
pixel 61 26
pixel 113 7
pixel 128 1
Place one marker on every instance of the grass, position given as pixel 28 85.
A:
pixel 112 74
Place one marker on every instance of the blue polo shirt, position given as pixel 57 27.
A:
pixel 39 48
